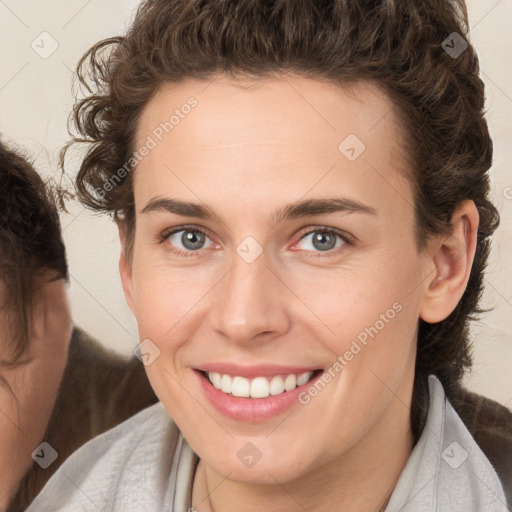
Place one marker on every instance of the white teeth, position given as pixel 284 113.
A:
pixel 276 386
pixel 303 378
pixel 260 387
pixel 226 384
pixel 290 382
pixel 240 387
pixel 215 379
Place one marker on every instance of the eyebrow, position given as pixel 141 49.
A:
pixel 296 210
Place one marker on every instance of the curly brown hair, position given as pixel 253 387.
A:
pixel 30 241
pixel 396 45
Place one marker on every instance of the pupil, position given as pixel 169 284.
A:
pixel 321 238
pixel 192 240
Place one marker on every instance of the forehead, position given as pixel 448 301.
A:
pixel 287 133
pixel 287 106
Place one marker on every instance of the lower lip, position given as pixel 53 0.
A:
pixel 252 410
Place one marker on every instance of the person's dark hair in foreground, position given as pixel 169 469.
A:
pixel 407 53
pixel 30 240
pixel 53 377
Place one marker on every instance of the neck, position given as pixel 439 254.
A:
pixel 363 478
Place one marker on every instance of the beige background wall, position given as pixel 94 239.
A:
pixel 36 97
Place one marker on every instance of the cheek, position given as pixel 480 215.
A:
pixel 46 376
pixel 35 388
pixel 164 301
pixel 167 305
pixel 162 294
pixel 369 319
pixel 355 299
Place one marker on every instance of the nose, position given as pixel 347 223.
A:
pixel 250 303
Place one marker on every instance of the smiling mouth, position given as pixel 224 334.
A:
pixel 258 387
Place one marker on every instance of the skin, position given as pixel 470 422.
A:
pixel 28 389
pixel 246 150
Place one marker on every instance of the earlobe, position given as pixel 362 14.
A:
pixel 452 258
pixel 125 266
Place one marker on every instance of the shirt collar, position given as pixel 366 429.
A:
pixel 446 471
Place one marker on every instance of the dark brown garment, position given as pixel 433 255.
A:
pixel 99 390
pixel 490 424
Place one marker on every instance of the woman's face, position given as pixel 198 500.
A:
pixel 275 243
pixel 28 389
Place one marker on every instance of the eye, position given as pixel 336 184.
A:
pixel 185 240
pixel 323 240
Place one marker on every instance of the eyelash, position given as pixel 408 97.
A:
pixel 345 237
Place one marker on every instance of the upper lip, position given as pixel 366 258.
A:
pixel 252 371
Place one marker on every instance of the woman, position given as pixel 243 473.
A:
pixel 53 375
pixel 301 190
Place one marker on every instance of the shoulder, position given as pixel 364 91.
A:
pixel 99 390
pixel 447 469
pixel 84 346
pixel 115 387
pixel 490 425
pixel 133 457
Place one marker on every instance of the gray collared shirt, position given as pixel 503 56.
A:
pixel 447 471
pixel 146 464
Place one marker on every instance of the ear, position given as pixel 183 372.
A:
pixel 452 257
pixel 125 266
